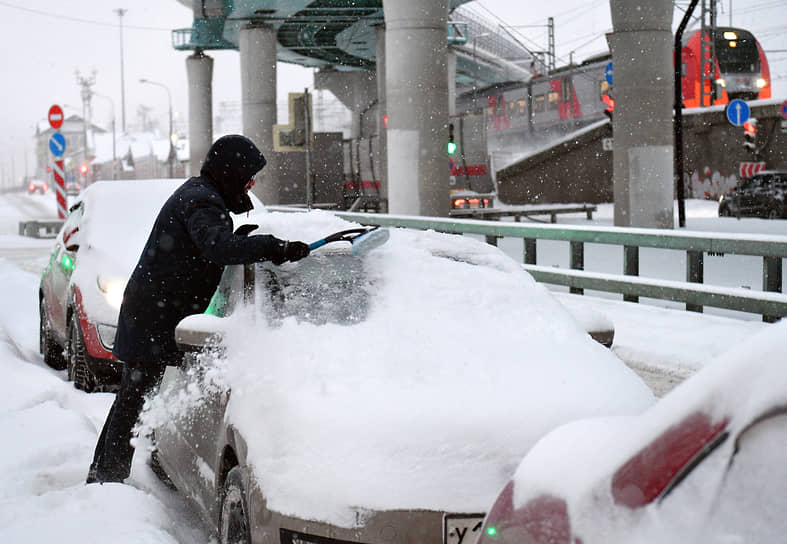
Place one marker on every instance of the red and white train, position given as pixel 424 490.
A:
pixel 574 96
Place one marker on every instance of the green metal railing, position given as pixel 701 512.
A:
pixel 771 303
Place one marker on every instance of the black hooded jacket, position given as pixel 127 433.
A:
pixel 190 243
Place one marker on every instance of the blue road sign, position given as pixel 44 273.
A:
pixel 608 73
pixel 57 144
pixel 784 109
pixel 738 112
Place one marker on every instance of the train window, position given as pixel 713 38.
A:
pixel 539 103
pixel 739 56
pixel 553 100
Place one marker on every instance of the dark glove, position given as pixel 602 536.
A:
pixel 290 251
pixel 295 251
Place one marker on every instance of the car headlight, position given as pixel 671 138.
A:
pixel 113 290
pixel 721 199
pixel 106 334
pixel 761 82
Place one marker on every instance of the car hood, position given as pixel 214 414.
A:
pixel 461 364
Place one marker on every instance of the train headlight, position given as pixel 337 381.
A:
pixel 761 82
pixel 721 82
pixel 729 35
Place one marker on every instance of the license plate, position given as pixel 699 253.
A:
pixel 462 528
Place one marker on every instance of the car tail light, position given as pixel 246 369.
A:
pixel 46 187
pixel 543 520
pixel 474 202
pixel 31 187
pixel 486 203
pixel 459 202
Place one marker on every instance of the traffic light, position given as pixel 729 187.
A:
pixel 750 135
pixel 451 142
pixel 83 168
pixel 610 102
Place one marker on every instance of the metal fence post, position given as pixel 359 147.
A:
pixel 577 262
pixel 631 267
pixel 694 274
pixel 530 251
pixel 771 280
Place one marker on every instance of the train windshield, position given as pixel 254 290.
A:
pixel 736 51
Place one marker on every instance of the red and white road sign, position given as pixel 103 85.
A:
pixel 60 189
pixel 748 169
pixel 55 117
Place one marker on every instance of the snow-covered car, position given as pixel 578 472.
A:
pixel 357 398
pixel 82 285
pixel 37 186
pixel 704 464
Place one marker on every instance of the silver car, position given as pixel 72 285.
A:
pixel 288 447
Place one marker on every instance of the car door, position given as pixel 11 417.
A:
pixel 190 439
pixel 58 274
pixel 189 444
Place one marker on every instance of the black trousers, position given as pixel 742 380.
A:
pixel 114 452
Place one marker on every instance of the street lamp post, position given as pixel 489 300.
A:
pixel 171 146
pixel 114 147
pixel 121 12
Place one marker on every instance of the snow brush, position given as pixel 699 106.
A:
pixel 363 239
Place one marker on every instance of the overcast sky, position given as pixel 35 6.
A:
pixel 44 42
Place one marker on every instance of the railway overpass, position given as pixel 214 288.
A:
pixel 434 49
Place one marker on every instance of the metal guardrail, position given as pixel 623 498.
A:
pixel 40 228
pixel 771 303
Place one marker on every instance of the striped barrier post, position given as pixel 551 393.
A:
pixel 60 189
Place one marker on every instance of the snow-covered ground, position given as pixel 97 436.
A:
pixel 49 429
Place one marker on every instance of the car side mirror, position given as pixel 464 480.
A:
pixel 199 331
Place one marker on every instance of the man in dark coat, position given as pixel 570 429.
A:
pixel 179 269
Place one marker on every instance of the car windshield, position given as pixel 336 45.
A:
pixel 325 288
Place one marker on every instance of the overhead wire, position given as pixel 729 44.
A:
pixel 61 17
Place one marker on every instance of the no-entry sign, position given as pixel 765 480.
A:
pixel 55 117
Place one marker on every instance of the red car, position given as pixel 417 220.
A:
pixel 704 464
pixel 37 186
pixel 82 285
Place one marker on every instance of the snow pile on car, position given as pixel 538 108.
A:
pixel 462 363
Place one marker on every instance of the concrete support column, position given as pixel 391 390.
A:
pixel 641 45
pixel 451 67
pixel 199 71
pixel 416 80
pixel 382 131
pixel 257 44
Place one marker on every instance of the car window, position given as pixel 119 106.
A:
pixel 223 300
pixel 331 287
pixel 752 502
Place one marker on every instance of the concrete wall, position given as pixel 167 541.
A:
pixel 714 148
pixel 327 170
pixel 579 170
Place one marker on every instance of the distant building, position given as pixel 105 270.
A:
pixel 142 155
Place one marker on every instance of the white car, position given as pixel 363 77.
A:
pixel 82 285
pixel 376 398
pixel 705 464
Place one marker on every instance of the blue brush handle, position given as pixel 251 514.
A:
pixel 318 243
